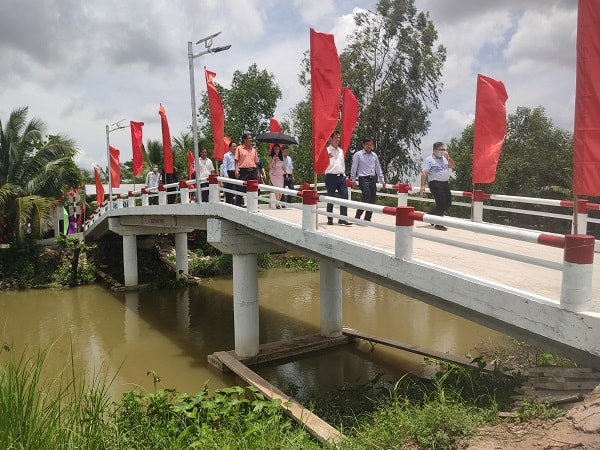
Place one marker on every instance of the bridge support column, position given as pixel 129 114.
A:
pixel 331 300
pixel 130 263
pixel 245 305
pixel 181 256
pixel 576 289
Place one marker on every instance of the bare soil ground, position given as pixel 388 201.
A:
pixel 578 429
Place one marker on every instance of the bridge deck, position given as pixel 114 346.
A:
pixel 519 275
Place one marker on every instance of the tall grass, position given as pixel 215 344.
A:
pixel 39 410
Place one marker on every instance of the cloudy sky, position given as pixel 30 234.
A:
pixel 80 64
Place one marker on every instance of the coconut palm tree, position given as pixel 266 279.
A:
pixel 35 170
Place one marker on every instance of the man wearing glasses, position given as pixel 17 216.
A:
pixel 436 170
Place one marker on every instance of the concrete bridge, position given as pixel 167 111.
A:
pixel 539 287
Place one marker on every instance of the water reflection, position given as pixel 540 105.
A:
pixel 172 332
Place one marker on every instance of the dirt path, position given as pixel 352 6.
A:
pixel 579 429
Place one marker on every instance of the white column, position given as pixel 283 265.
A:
pixel 130 263
pixel 310 199
pixel 578 267
pixel 331 299
pixel 403 236
pixel 245 305
pixel 181 256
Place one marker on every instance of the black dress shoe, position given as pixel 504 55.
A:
pixel 441 227
pixel 329 221
pixel 344 222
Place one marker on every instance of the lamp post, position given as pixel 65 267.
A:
pixel 116 126
pixel 208 41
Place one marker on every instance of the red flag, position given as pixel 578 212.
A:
pixel 227 141
pixel 99 187
pixel 326 86
pixel 217 116
pixel 349 117
pixel 166 138
pixel 490 128
pixel 190 160
pixel 586 145
pixel 274 127
pixel 136 146
pixel 115 167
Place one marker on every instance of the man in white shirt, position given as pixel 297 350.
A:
pixel 335 177
pixel 205 168
pixel 288 172
pixel 436 170
pixel 153 178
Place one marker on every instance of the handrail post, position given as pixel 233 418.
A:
pixel 145 200
pixel 582 217
pixel 403 190
pixel 130 199
pixel 404 227
pixel 184 192
pixel 119 201
pixel 310 199
pixel 478 198
pixel 578 266
pixel 213 189
pixel 162 195
pixel 251 196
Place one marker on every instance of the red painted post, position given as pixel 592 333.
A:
pixel 578 266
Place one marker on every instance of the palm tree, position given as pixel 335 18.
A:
pixel 35 171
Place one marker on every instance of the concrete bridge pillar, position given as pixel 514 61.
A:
pixel 130 263
pixel 331 299
pixel 181 256
pixel 245 305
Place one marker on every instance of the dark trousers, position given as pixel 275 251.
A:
pixel 204 194
pixel 368 187
pixel 336 183
pixel 443 198
pixel 245 175
pixel 288 182
pixel 229 196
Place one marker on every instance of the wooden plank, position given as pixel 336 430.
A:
pixel 413 348
pixel 314 424
pixel 287 348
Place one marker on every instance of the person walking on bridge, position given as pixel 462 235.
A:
pixel 153 178
pixel 228 171
pixel 365 172
pixel 436 170
pixel 246 161
pixel 335 177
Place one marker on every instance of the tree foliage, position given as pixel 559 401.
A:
pixel 393 67
pixel 35 170
pixel 248 104
pixel 536 159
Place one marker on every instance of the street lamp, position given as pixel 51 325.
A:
pixel 208 41
pixel 116 126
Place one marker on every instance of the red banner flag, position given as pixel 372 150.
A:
pixel 99 187
pixel 490 128
pixel 115 167
pixel 326 87
pixel 217 116
pixel 586 145
pixel 274 127
pixel 166 138
pixel 136 146
pixel 349 118
pixel 190 161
